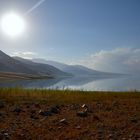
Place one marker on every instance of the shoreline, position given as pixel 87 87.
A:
pixel 9 76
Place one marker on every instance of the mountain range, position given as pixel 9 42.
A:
pixel 40 68
pixel 27 68
pixel 76 70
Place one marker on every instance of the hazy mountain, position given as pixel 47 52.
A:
pixel 77 70
pixel 19 65
pixel 42 69
pixel 8 64
pixel 58 65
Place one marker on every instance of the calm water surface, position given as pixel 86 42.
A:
pixel 121 83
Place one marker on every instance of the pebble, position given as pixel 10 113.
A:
pixel 63 121
pixel 110 136
pixel 59 127
pixel 84 106
pixel 78 127
pixel 4 136
pixel 41 112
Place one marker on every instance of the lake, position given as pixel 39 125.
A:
pixel 96 83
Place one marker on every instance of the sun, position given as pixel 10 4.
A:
pixel 12 24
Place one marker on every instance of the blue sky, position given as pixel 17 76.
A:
pixel 71 30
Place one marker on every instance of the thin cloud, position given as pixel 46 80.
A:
pixel 126 60
pixel 25 55
pixel 35 6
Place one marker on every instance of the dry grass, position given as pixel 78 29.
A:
pixel 62 96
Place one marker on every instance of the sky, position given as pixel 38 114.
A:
pixel 100 34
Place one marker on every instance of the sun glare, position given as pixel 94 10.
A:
pixel 12 24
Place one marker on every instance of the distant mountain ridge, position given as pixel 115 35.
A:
pixel 9 64
pixel 77 70
pixel 41 67
pixel 15 65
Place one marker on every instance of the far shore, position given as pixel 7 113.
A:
pixel 6 76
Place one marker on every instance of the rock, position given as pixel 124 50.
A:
pixel 87 108
pixel 6 134
pixel 78 127
pixel 41 112
pixel 84 106
pixel 110 136
pixel 82 114
pixel 54 110
pixel 60 127
pixel 17 110
pixel 45 113
pixel 134 120
pixel 58 107
pixel 63 121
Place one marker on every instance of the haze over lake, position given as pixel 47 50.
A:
pixel 121 83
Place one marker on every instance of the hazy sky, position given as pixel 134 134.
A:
pixel 73 31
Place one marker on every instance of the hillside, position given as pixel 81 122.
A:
pixel 16 66
pixel 8 64
pixel 42 68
